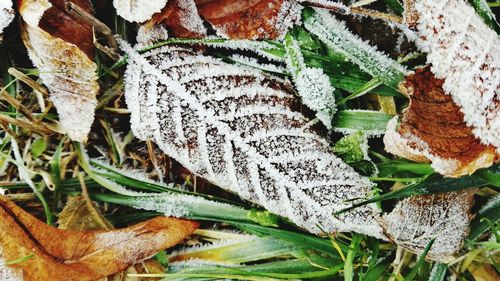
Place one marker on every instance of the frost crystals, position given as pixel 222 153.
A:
pixel 235 127
pixel 312 84
pixel 465 52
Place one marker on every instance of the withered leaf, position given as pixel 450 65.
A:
pixel 61 47
pixel 182 19
pixel 80 213
pixel 81 255
pixel 415 221
pixel 250 19
pixel 465 52
pixel 433 129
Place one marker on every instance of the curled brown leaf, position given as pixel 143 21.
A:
pixel 433 130
pixel 81 255
pixel 250 19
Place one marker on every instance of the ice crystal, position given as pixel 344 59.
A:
pixel 235 127
pixel 312 84
pixel 465 52
pixel 335 35
pixel 6 15
pixel 417 220
pixel 189 17
pixel 138 10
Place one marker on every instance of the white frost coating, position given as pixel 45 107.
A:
pixel 444 216
pixel 138 10
pixel 6 14
pixel 317 93
pixel 271 158
pixel 33 10
pixel 335 35
pixel 72 85
pixel 8 273
pixel 465 52
pixel 313 86
pixel 253 62
pixel 290 14
pixel 189 17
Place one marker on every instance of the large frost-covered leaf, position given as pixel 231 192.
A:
pixel 464 52
pixel 61 47
pixel 240 129
pixel 415 221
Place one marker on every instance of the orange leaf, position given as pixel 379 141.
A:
pixel 81 255
pixel 250 19
pixel 433 129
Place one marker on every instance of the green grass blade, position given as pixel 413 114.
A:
pixel 485 218
pixel 368 121
pixel 349 261
pixel 431 185
pixel 438 272
pixel 336 36
pixel 485 12
pixel 420 262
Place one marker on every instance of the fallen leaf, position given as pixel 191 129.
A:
pixel 241 130
pixel 417 220
pixel 251 19
pixel 465 52
pixel 80 213
pixel 81 255
pixel 182 19
pixel 61 47
pixel 433 129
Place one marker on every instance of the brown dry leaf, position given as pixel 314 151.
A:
pixel 79 213
pixel 81 255
pixel 182 19
pixel 415 221
pixel 433 129
pixel 250 19
pixel 61 47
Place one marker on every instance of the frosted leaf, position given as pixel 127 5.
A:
pixel 335 35
pixel 138 10
pixel 257 19
pixel 415 221
pixel 433 129
pixel 66 70
pixel 235 127
pixel 6 15
pixel 465 52
pixel 313 86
